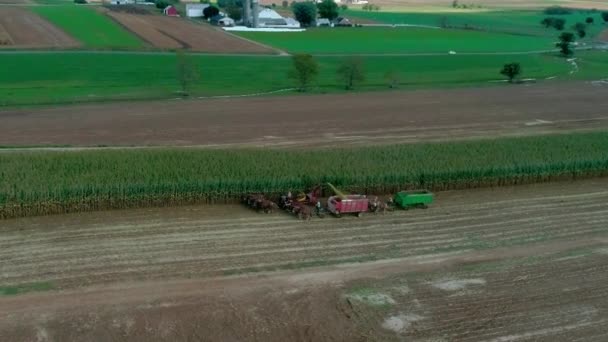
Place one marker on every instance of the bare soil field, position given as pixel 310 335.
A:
pixel 20 28
pixel 510 264
pixel 320 120
pixel 178 33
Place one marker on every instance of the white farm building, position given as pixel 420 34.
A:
pixel 271 19
pixel 195 10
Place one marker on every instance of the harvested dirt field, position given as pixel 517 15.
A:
pixel 20 28
pixel 178 33
pixel 328 120
pixel 510 264
pixel 446 5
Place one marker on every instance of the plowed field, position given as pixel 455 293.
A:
pixel 177 33
pixel 329 120
pixel 517 264
pixel 20 28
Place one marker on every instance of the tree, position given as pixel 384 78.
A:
pixel 557 23
pixel 305 70
pixel 228 3
pixel 605 16
pixel 344 7
pixel 455 4
pixel 305 12
pixel 511 70
pixel 161 4
pixel 580 29
pixel 589 20
pixel 80 1
pixel 210 12
pixel 565 39
pixel 187 74
pixel 351 72
pixel 234 12
pixel 328 9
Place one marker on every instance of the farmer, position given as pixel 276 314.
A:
pixel 318 207
pixel 390 202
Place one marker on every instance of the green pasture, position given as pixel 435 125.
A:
pixel 507 21
pixel 36 182
pixel 400 40
pixel 88 26
pixel 64 77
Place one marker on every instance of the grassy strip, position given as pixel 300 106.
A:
pixel 34 183
pixel 88 26
pixel 49 78
pixel 378 40
pixel 25 288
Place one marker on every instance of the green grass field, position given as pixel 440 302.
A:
pixel 88 26
pixel 63 77
pixel 382 40
pixel 515 22
pixel 53 182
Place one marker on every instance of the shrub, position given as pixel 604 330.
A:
pixel 589 20
pixel 558 10
pixel 80 1
pixel 605 16
pixel 210 12
pixel 161 4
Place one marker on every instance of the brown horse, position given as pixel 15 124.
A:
pixel 267 206
pixel 304 212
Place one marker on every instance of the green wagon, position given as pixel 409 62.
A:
pixel 414 199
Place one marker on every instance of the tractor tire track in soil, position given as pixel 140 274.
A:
pixel 316 120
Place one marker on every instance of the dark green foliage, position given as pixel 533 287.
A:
pixel 80 1
pixel 605 16
pixel 564 44
pixel 187 73
pixel 234 12
pixel 328 9
pixel 228 3
pixel 305 12
pixel 589 20
pixel 580 29
pixel 305 70
pixel 557 23
pixel 210 12
pixel 161 4
pixel 557 10
pixel 55 182
pixel 344 7
pixel 511 71
pixel 351 72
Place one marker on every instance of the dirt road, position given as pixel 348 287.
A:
pixel 394 117
pixel 510 264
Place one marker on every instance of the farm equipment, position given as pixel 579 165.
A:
pixel 347 204
pixel 413 199
pixel 303 205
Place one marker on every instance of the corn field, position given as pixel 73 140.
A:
pixel 37 183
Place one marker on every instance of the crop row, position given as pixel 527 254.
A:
pixel 34 183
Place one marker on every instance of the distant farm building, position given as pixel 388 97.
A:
pixel 195 10
pixel 122 2
pixel 324 22
pixel 171 11
pixel 271 19
pixel 342 22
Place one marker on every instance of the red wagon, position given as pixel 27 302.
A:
pixel 349 204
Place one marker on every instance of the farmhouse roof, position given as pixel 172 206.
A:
pixel 268 13
pixel 197 6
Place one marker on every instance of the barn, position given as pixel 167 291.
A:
pixel 171 11
pixel 195 10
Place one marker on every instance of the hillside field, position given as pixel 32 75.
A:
pixel 382 40
pixel 506 21
pixel 88 26
pixel 43 78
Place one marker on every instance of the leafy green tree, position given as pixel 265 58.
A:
pixel 511 71
pixel 351 72
pixel 565 40
pixel 210 12
pixel 234 12
pixel 605 16
pixel 305 12
pixel 187 73
pixel 589 20
pixel 161 4
pixel 304 70
pixel 580 29
pixel 328 9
